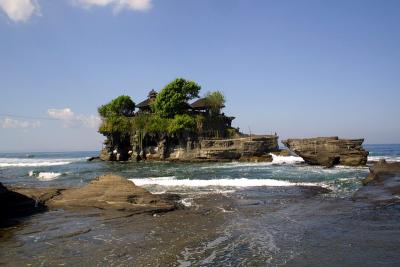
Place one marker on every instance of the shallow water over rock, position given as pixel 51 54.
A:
pixel 291 226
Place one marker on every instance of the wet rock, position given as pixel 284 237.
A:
pixel 106 155
pixel 382 185
pixel 93 159
pixel 329 151
pixel 263 158
pixel 14 204
pixel 282 153
pixel 40 195
pixel 111 192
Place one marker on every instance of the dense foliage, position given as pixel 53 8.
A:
pixel 116 125
pixel 215 100
pixel 182 123
pixel 153 123
pixel 172 100
pixel 117 116
pixel 120 106
pixel 171 114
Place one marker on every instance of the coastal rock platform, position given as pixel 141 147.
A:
pixel 112 192
pixel 329 151
pixel 382 186
pixel 17 204
pixel 108 192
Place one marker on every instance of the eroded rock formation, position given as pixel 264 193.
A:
pixel 108 192
pixel 329 151
pixel 255 148
pixel 382 186
pixel 112 192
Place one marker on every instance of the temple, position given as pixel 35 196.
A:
pixel 212 138
pixel 145 106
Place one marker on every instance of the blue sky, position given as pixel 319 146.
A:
pixel 298 68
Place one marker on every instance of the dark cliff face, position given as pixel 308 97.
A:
pixel 329 151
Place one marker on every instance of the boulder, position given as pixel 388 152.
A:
pixel 329 151
pixel 111 192
pixel 382 185
pixel 16 204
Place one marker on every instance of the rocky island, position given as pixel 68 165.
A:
pixel 165 126
pixel 329 151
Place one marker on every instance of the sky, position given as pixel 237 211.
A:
pixel 298 68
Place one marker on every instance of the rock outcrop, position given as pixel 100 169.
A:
pixel 111 192
pixel 108 192
pixel 382 186
pixel 329 151
pixel 13 204
pixel 255 148
pixel 19 203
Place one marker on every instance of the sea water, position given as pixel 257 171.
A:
pixel 274 222
pixel 66 169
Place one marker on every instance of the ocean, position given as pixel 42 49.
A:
pixel 238 214
pixel 65 169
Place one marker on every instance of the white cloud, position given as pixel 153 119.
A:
pixel 8 123
pixel 118 5
pixel 22 10
pixel 70 120
pixel 19 10
pixel 61 114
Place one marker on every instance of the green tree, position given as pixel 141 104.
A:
pixel 172 100
pixel 181 123
pixel 116 125
pixel 116 116
pixel 120 106
pixel 215 100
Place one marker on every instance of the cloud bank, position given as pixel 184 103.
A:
pixel 19 10
pixel 8 123
pixel 118 5
pixel 23 10
pixel 70 120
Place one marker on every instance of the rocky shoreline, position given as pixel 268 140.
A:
pixel 278 226
pixel 108 192
pixel 382 186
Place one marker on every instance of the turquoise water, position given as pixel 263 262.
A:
pixel 72 169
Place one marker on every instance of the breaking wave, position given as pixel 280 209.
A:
pixel 387 158
pixel 276 160
pixel 286 159
pixel 45 176
pixel 241 182
pixel 31 162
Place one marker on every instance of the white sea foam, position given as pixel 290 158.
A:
pixel 276 160
pixel 242 182
pixel 45 176
pixel 232 165
pixel 286 159
pixel 187 202
pixel 387 158
pixel 18 162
